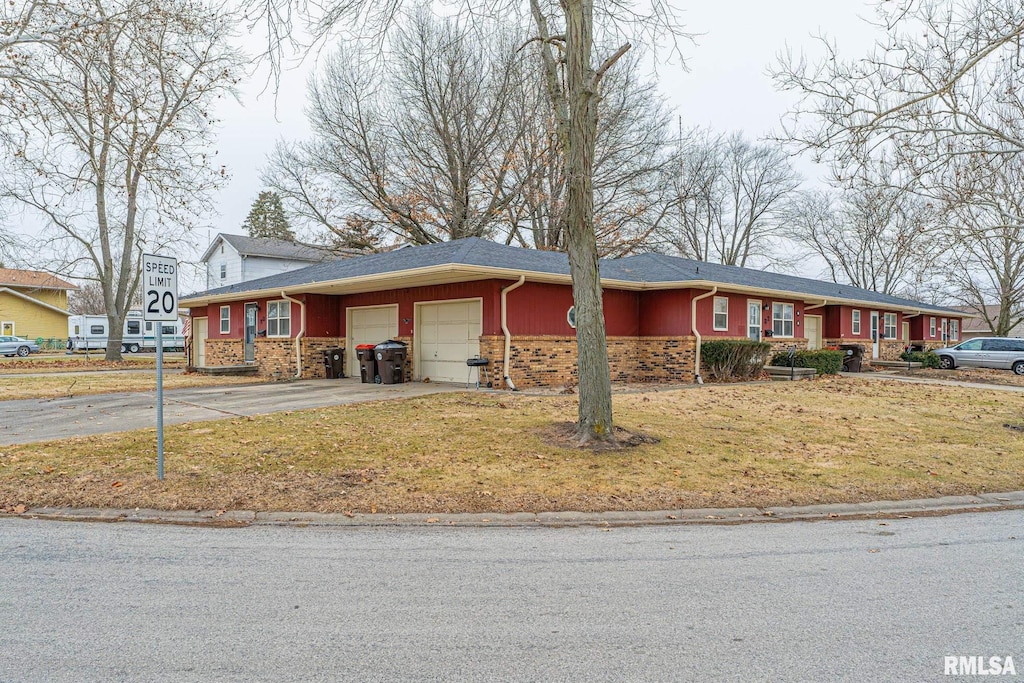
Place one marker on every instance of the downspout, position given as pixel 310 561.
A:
pixel 811 308
pixel 504 329
pixel 693 328
pixel 302 332
pixel 824 302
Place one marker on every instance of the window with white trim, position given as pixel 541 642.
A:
pixel 931 328
pixel 954 330
pixel 782 320
pixel 721 313
pixel 225 319
pixel 570 317
pixel 944 327
pixel 890 326
pixel 223 271
pixel 279 319
pixel 856 322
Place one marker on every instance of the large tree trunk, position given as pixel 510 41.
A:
pixel 595 391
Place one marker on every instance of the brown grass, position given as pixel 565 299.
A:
pixel 829 440
pixel 59 363
pixel 980 375
pixel 87 384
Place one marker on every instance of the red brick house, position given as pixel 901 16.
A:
pixel 470 297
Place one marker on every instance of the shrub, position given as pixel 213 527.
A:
pixel 825 361
pixel 927 359
pixel 726 359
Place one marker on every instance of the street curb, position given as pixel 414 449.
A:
pixel 986 502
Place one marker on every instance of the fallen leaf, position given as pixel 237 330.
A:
pixel 432 520
pixel 117 484
pixel 19 509
pixel 671 517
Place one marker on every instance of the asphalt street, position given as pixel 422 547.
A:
pixel 32 420
pixel 863 600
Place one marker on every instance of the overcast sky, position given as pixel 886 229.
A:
pixel 726 86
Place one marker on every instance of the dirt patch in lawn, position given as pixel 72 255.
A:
pixel 563 435
pixel 829 440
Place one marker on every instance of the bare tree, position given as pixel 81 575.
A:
pixel 984 246
pixel 422 150
pixel 944 72
pixel 104 135
pixel 731 194
pixel 87 300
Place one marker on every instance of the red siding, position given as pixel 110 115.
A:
pixel 322 319
pixel 665 313
pixel 737 319
pixel 537 308
pixel 238 322
pixel 488 290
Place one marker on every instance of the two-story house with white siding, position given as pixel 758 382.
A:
pixel 231 259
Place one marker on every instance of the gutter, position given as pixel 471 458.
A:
pixel 504 329
pixel 693 327
pixel 300 335
pixel 824 302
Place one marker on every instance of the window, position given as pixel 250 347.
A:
pixel 223 271
pixel 890 326
pixel 782 320
pixel 96 329
pixel 134 327
pixel 225 319
pixel 78 330
pixel 972 345
pixel 570 317
pixel 168 329
pixel 931 328
pixel 945 329
pixel 279 319
pixel 856 322
pixel 721 313
pixel 954 330
pixel 149 327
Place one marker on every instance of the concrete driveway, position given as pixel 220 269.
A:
pixel 43 419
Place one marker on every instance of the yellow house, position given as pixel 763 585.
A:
pixel 33 304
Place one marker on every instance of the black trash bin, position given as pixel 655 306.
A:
pixel 367 364
pixel 334 363
pixel 391 357
pixel 854 358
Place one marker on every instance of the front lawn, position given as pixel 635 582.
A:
pixel 68 384
pixel 829 440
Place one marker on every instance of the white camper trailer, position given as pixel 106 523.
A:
pixel 90 332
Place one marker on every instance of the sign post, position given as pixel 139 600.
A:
pixel 159 305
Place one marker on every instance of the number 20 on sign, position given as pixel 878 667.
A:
pixel 160 288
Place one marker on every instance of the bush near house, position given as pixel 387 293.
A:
pixel 927 359
pixel 731 359
pixel 826 362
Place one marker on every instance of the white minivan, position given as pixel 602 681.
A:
pixel 1005 353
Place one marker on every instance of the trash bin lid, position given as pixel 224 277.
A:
pixel 364 346
pixel 389 344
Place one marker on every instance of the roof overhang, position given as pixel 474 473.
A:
pixel 453 273
pixel 37 302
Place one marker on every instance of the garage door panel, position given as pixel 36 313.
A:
pixel 448 334
pixel 369 326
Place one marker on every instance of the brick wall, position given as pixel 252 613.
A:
pixel 888 349
pixel 313 356
pixel 550 361
pixel 784 345
pixel 276 357
pixel 224 352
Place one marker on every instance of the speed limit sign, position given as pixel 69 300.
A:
pixel 159 288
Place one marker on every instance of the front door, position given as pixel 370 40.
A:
pixel 7 329
pixel 754 320
pixel 874 334
pixel 250 332
pixel 813 331
pixel 906 332
pixel 199 334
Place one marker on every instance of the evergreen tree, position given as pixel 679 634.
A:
pixel 267 219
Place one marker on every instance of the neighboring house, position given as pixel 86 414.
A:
pixel 231 259
pixel 977 327
pixel 456 300
pixel 33 304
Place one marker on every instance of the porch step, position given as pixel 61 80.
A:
pixel 780 373
pixel 225 370
pixel 898 364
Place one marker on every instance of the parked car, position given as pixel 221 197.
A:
pixel 1004 353
pixel 10 346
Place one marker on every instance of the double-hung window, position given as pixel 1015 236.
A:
pixel 782 320
pixel 931 328
pixel 225 319
pixel 856 322
pixel 721 313
pixel 954 330
pixel 890 326
pixel 279 319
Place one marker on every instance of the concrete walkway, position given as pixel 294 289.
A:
pixel 885 376
pixel 31 420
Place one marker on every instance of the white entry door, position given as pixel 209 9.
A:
pixel 812 331
pixel 370 325
pixel 200 331
pixel 875 334
pixel 446 335
pixel 754 319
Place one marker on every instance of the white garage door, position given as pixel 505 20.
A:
pixel 368 326
pixel 446 335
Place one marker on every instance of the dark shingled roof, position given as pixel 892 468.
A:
pixel 273 248
pixel 642 268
